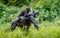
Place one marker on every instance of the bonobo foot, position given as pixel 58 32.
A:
pixel 26 33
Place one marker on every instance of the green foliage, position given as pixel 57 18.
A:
pixel 7 13
pixel 16 2
pixel 49 9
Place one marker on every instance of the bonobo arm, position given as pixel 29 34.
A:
pixel 34 22
pixel 14 24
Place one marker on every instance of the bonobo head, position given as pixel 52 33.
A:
pixel 28 9
pixel 35 13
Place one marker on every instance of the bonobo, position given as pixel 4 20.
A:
pixel 26 21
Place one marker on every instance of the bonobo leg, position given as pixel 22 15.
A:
pixel 21 27
pixel 27 29
pixel 34 22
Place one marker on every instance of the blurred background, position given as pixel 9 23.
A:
pixel 48 19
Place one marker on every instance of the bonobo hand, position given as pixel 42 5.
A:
pixel 38 26
pixel 34 22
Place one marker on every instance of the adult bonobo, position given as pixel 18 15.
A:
pixel 25 21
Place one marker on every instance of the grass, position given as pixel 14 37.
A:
pixel 47 30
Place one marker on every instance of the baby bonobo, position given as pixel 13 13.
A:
pixel 24 12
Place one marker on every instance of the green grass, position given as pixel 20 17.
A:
pixel 46 30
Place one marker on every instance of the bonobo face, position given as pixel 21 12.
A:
pixel 28 9
pixel 36 13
